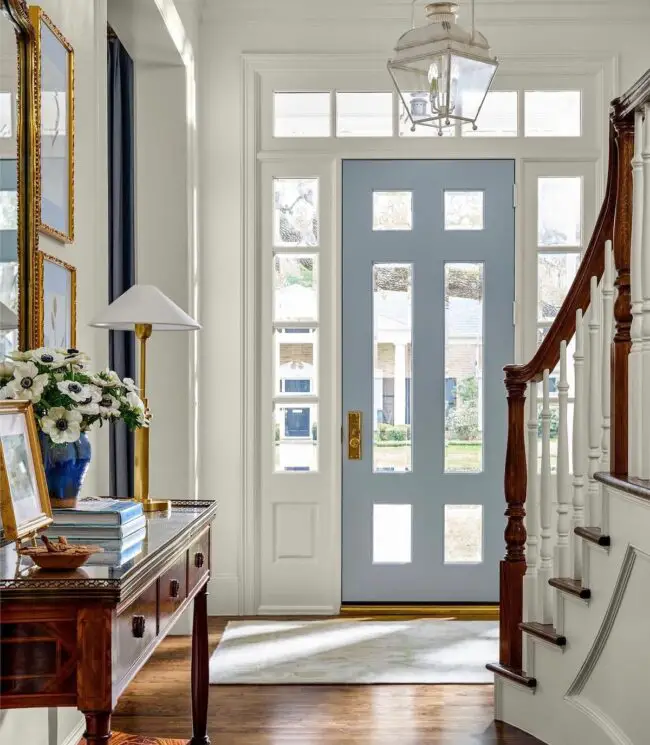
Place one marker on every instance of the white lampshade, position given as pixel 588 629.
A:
pixel 8 319
pixel 144 304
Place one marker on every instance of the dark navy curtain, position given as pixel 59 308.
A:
pixel 121 243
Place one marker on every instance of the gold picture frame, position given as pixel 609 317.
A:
pixel 16 13
pixel 24 498
pixel 48 287
pixel 53 52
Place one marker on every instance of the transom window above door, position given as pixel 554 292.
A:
pixel 371 114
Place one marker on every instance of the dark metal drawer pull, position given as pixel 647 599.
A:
pixel 199 560
pixel 138 625
pixel 174 588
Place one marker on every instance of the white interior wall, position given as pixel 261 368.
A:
pixel 232 29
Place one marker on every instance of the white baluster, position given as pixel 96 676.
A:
pixel 594 413
pixel 545 501
pixel 635 370
pixel 531 596
pixel 579 444
pixel 562 563
pixel 607 331
pixel 645 283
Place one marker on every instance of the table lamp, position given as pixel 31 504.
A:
pixel 143 309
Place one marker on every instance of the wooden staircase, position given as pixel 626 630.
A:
pixel 557 518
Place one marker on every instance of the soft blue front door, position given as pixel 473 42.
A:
pixel 428 290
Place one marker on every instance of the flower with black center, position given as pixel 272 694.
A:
pixel 27 384
pixel 109 407
pixel 48 357
pixel 74 390
pixel 90 404
pixel 62 425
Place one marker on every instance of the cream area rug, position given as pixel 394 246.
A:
pixel 336 651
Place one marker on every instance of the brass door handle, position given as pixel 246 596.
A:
pixel 355 425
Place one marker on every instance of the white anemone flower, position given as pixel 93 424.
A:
pixel 49 357
pixel 107 379
pixel 130 385
pixel 62 425
pixel 4 393
pixel 78 392
pixel 109 406
pixel 90 405
pixel 17 356
pixel 136 403
pixel 27 384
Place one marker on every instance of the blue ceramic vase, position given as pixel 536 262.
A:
pixel 65 469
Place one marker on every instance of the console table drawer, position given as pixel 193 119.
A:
pixel 199 560
pixel 173 590
pixel 135 630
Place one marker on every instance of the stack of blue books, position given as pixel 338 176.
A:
pixel 117 525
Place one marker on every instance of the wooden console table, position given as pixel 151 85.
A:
pixel 78 638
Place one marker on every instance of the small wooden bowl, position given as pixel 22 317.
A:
pixel 70 558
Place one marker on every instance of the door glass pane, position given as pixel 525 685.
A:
pixel 392 210
pixel 555 273
pixel 295 212
pixel 391 533
pixel 498 117
pixel 392 367
pixel 552 113
pixel 364 114
pixel 559 211
pixel 301 114
pixel 295 287
pixel 463 210
pixel 295 361
pixel 295 435
pixel 463 533
pixel 463 367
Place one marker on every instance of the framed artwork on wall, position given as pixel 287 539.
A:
pixel 56 301
pixel 24 498
pixel 54 105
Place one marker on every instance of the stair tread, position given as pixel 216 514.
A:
pixel 571 587
pixel 515 676
pixel 545 631
pixel 593 535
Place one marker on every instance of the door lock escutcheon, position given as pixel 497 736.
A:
pixel 355 419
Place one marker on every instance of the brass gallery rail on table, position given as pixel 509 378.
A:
pixel 614 223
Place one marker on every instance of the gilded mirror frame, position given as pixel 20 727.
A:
pixel 18 14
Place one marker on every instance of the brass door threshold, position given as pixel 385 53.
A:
pixel 461 612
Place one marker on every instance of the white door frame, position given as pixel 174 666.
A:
pixel 260 74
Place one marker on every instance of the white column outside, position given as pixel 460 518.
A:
pixel 399 402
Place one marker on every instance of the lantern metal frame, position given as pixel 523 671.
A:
pixel 453 48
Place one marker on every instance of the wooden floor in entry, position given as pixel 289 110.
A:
pixel 157 704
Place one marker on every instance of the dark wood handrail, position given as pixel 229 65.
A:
pixel 614 223
pixel 592 264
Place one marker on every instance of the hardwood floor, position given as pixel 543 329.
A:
pixel 157 703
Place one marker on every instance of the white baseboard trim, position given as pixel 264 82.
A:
pixel 74 738
pixel 223 595
pixel 297 610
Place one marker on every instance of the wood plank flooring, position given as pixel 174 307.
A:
pixel 157 703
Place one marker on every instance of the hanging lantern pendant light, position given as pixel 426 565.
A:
pixel 441 71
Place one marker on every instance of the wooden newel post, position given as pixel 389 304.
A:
pixel 622 342
pixel 513 566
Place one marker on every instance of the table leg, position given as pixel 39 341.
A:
pixel 98 727
pixel 200 670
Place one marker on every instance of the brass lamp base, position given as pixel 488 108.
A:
pixel 155 505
